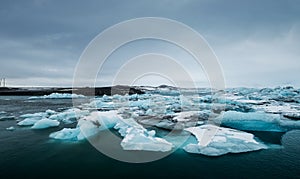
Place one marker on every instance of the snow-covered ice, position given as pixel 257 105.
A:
pixel 219 141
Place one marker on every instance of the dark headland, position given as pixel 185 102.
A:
pixel 98 91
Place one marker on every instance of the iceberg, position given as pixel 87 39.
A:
pixel 221 141
pixel 136 137
pixel 66 134
pixel 28 122
pixel 38 115
pixel 252 121
pixel 58 96
pixel 96 122
pixel 144 140
pixel 45 123
pixel 88 126
pixel 69 116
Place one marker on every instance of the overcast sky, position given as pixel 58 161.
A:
pixel 257 41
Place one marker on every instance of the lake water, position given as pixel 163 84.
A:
pixel 31 153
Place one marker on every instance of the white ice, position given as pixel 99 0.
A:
pixel 28 122
pixel 58 96
pixel 88 126
pixel 136 137
pixel 69 116
pixel 45 123
pixel 11 128
pixel 216 141
pixel 66 134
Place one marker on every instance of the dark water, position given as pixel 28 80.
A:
pixel 26 153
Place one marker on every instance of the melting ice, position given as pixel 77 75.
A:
pixel 218 121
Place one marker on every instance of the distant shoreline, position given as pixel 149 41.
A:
pixel 39 91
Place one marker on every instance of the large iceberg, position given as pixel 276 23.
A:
pixel 136 137
pixel 219 141
pixel 252 121
pixel 88 126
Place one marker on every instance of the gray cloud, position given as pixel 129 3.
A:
pixel 257 42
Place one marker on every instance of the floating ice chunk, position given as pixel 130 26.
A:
pixel 102 105
pixel 255 102
pixel 58 96
pixel 185 116
pixel 69 116
pixel 149 112
pixel 38 115
pixel 45 123
pixel 221 141
pixel 123 125
pixel 137 139
pixel 11 128
pixel 28 122
pixel 4 118
pixel 95 122
pixel 141 104
pixel 294 116
pixel 106 98
pixel 50 112
pixel 253 121
pixel 66 134
pixel 88 126
pixel 278 109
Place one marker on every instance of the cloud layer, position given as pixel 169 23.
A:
pixel 257 42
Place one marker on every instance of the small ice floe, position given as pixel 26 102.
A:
pixel 31 119
pixel 11 128
pixel 28 122
pixel 67 117
pixel 66 134
pixel 4 118
pixel 58 96
pixel 216 141
pixel 45 123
